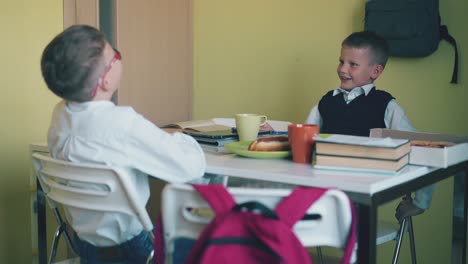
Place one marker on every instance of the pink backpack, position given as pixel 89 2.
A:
pixel 239 235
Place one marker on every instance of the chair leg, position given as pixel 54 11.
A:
pixel 401 232
pixel 319 254
pixel 69 239
pixel 55 242
pixel 150 257
pixel 411 237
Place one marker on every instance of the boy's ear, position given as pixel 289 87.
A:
pixel 378 69
pixel 105 85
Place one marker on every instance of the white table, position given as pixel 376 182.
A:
pixel 367 190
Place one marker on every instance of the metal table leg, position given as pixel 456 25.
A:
pixel 367 229
pixel 459 220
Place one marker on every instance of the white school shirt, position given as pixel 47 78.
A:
pixel 101 132
pixel 395 117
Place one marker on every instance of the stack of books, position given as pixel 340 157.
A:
pixel 214 134
pixel 361 153
pixel 214 141
pixel 208 125
pixel 211 135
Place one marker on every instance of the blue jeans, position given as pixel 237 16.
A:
pixel 133 251
pixel 182 247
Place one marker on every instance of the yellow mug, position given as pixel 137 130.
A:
pixel 248 125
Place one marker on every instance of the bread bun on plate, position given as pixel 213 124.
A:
pixel 273 143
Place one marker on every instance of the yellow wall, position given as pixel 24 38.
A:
pixel 25 107
pixel 279 57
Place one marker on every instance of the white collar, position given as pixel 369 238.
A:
pixel 366 88
pixel 76 106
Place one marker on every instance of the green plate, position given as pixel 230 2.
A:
pixel 241 148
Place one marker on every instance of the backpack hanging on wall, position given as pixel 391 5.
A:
pixel 411 27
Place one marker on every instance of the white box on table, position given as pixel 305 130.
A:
pixel 433 157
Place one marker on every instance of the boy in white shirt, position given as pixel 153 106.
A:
pixel 357 106
pixel 81 67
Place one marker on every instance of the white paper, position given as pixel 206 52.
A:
pixel 362 141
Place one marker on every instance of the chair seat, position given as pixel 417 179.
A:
pixel 386 231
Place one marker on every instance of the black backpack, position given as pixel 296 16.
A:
pixel 411 27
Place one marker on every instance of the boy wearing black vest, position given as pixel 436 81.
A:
pixel 357 106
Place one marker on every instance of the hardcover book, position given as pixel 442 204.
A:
pixel 207 125
pixel 365 147
pixel 362 163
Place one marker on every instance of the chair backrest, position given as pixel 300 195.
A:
pixel 90 187
pixel 185 214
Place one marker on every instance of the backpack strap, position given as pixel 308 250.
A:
pixel 445 35
pixel 220 200
pixel 293 207
pixel 159 247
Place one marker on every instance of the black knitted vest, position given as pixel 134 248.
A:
pixel 355 118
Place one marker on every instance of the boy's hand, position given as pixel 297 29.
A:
pixel 407 208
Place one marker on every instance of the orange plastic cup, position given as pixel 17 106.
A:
pixel 301 139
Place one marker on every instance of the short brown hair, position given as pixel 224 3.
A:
pixel 70 63
pixel 377 45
